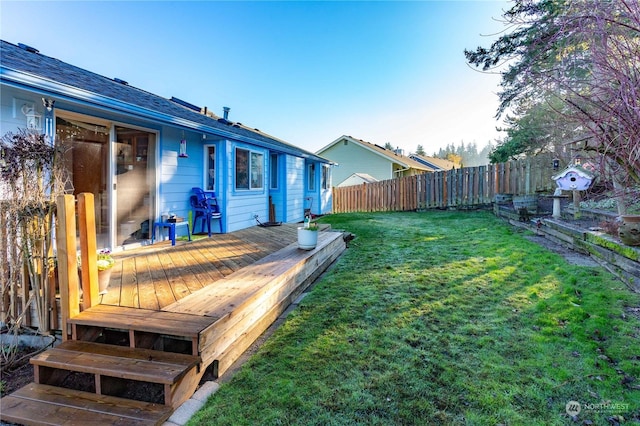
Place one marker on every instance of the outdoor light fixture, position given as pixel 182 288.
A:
pixel 183 148
pixel 48 104
pixel 34 120
pixel 556 164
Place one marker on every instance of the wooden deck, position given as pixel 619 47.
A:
pixel 158 275
pixel 171 313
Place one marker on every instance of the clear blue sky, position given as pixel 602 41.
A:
pixel 305 72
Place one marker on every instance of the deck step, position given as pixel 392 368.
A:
pixel 140 328
pixel 37 404
pixel 114 368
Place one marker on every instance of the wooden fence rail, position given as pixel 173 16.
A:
pixel 466 187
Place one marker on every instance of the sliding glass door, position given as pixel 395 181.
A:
pixel 134 184
pixel 87 160
pixel 116 165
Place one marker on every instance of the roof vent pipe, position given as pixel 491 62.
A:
pixel 28 48
pixel 226 112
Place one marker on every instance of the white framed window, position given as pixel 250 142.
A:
pixel 311 177
pixel 249 169
pixel 326 177
pixel 210 168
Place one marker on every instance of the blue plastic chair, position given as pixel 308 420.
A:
pixel 205 207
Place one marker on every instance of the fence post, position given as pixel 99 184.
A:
pixel 88 249
pixel 527 181
pixel 482 184
pixel 67 261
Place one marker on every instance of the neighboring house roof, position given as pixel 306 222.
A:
pixel 435 163
pixel 358 178
pixel 392 156
pixel 23 66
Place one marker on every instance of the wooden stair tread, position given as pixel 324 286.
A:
pixel 117 361
pixel 147 320
pixel 37 404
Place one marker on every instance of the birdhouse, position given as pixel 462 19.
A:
pixel 574 178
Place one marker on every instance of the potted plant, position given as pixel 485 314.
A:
pixel 105 262
pixel 308 235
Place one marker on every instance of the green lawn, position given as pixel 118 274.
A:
pixel 444 318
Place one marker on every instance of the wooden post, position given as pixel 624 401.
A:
pixel 272 210
pixel 577 214
pixel 527 177
pixel 88 249
pixel 67 261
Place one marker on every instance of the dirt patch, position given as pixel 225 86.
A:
pixel 19 374
pixel 571 256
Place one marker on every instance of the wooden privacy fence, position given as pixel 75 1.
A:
pixel 467 187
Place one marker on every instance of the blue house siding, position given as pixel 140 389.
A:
pixel 178 175
pixel 11 103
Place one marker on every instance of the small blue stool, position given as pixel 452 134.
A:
pixel 172 230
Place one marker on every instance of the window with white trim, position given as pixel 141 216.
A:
pixel 210 168
pixel 249 173
pixel 325 177
pixel 311 177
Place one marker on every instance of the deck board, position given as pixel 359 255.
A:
pixel 146 288
pixel 129 288
pixel 117 361
pixel 158 275
pixel 143 319
pixel 216 301
pixel 61 406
